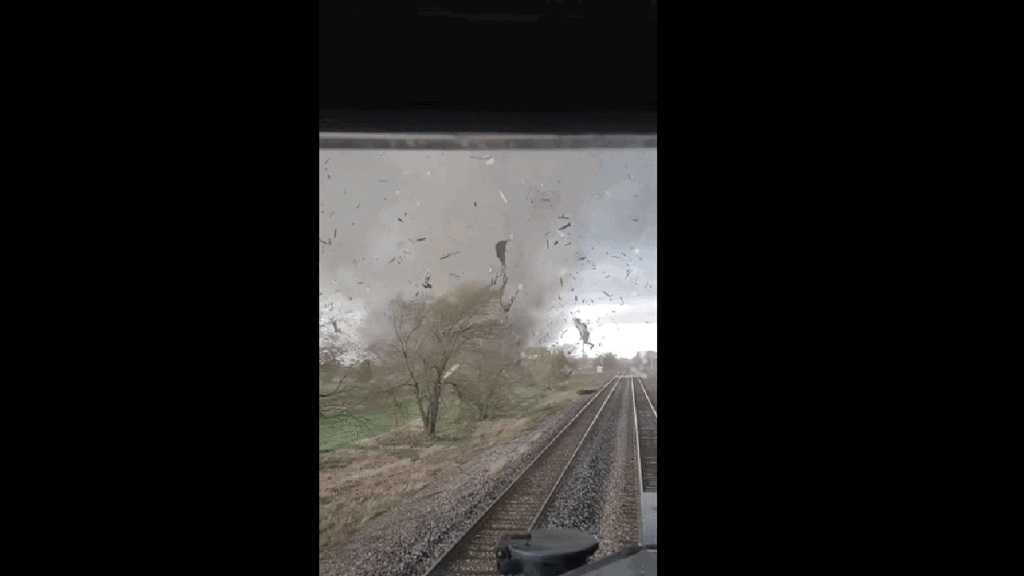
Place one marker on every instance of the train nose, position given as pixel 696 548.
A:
pixel 544 552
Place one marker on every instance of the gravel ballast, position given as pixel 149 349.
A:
pixel 407 540
pixel 599 492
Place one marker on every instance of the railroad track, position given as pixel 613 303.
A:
pixel 518 508
pixel 647 436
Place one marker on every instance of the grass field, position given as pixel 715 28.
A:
pixel 359 480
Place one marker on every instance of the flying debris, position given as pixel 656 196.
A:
pixel 449 254
pixel 605 293
pixel 335 322
pixel 421 239
pixel 400 220
pixel 335 232
pixel 621 300
pixel 564 217
pixel 321 241
pixel 426 281
pixel 584 333
pixel 474 204
pixel 502 196
pixel 566 226
pixel 500 249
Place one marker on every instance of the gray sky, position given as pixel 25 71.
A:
pixel 390 217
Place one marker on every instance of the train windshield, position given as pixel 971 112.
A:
pixel 563 229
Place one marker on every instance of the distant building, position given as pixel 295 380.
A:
pixel 586 365
pixel 649 360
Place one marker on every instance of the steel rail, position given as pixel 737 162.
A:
pixel 558 483
pixel 639 464
pixel 448 555
pixel 644 388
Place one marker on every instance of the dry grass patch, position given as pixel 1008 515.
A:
pixel 364 481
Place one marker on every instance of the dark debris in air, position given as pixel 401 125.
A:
pixel 449 254
pixel 500 249
pixel 566 226
pixel 426 282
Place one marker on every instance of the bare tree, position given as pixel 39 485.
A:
pixel 337 402
pixel 485 381
pixel 431 337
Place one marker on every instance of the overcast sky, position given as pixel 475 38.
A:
pixel 388 219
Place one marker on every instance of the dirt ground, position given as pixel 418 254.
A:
pixel 358 484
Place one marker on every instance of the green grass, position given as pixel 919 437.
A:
pixel 376 410
pixel 338 433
